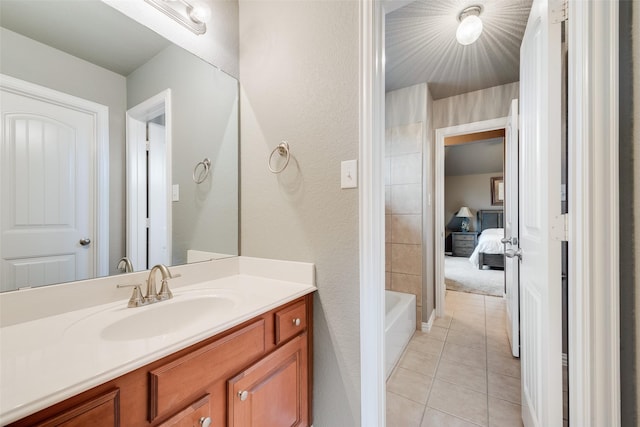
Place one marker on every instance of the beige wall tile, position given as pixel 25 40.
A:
pixel 387 171
pixel 387 280
pixel 406 229
pixel 406 199
pixel 407 283
pixel 387 199
pixel 388 231
pixel 419 317
pixel 388 253
pixel 406 259
pixel 406 169
pixel 407 139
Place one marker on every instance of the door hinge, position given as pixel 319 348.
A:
pixel 147 222
pixel 560 228
pixel 147 145
pixel 559 11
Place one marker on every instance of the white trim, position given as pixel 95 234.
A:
pixel 136 119
pixel 100 114
pixel 594 330
pixel 426 327
pixel 371 207
pixel 438 249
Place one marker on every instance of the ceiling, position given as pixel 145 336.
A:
pixel 474 158
pixel 421 46
pixel 87 29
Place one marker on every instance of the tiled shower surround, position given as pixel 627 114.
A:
pixel 403 225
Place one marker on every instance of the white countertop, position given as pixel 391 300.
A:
pixel 46 360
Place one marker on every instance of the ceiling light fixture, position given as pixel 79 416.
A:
pixel 470 26
pixel 191 15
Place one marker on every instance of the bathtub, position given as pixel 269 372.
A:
pixel 400 324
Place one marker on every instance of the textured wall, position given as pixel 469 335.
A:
pixel 206 216
pixel 472 191
pixel 299 82
pixel 475 106
pixel 29 60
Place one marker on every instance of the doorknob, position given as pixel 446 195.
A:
pixel 85 241
pixel 510 240
pixel 510 253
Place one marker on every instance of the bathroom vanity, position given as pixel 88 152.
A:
pixel 251 365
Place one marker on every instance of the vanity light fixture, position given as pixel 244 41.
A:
pixel 191 15
pixel 470 26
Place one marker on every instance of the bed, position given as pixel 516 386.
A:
pixel 490 249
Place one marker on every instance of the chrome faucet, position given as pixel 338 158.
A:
pixel 152 293
pixel 125 264
pixel 152 296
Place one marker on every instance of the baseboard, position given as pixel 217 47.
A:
pixel 426 327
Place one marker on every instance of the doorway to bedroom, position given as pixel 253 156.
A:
pixel 473 212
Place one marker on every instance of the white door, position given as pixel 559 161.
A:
pixel 158 197
pixel 540 219
pixel 47 214
pixel 511 264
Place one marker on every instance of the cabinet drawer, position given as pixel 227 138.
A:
pixel 191 415
pixel 290 321
pixel 173 383
pixel 464 244
pixel 462 238
pixel 102 411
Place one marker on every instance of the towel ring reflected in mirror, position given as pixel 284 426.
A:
pixel 201 171
pixel 283 150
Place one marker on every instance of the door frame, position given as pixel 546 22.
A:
pixel 100 114
pixel 438 248
pixel 136 137
pixel 594 330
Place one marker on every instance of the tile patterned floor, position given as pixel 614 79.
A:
pixel 461 373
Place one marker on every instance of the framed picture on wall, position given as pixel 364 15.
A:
pixel 497 191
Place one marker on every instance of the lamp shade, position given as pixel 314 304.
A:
pixel 464 212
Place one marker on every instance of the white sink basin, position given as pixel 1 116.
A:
pixel 165 317
pixel 119 323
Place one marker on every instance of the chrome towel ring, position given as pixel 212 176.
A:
pixel 199 177
pixel 283 150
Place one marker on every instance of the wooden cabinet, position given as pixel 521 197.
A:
pixel 269 358
pixel 102 411
pixel 272 392
pixel 463 244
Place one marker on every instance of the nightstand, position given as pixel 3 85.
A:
pixel 463 243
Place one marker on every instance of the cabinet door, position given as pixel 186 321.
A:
pixel 272 392
pixel 195 415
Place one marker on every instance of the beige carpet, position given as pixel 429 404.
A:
pixel 460 275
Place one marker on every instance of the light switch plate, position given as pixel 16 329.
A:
pixel 175 192
pixel 349 174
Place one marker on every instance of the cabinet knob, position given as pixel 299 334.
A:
pixel 243 395
pixel 205 421
pixel 296 321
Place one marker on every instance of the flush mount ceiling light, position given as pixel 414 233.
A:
pixel 191 15
pixel 470 26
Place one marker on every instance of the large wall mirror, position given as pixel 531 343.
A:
pixel 115 142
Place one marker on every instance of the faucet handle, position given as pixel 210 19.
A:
pixel 165 292
pixel 174 276
pixel 136 299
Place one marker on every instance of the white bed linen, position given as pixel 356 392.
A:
pixel 489 243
